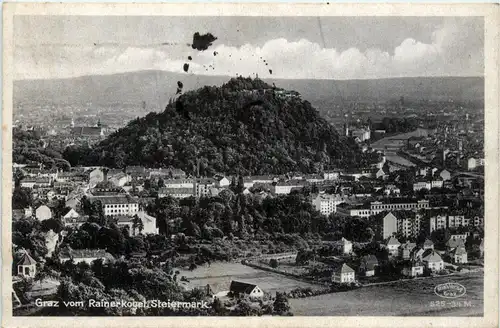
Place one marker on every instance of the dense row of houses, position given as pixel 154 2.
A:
pixel 412 259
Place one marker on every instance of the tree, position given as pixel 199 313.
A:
pixel 21 198
pixel 303 257
pixel 218 308
pixel 137 224
pixel 280 304
pixel 273 263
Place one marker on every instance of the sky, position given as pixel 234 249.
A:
pixel 293 47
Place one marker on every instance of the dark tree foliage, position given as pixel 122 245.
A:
pixel 243 127
pixel 28 147
pixel 21 198
pixel 280 304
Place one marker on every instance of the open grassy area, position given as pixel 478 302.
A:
pixel 220 274
pixel 408 298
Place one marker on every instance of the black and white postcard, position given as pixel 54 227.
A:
pixel 265 165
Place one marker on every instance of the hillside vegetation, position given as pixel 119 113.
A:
pixel 243 127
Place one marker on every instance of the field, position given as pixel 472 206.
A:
pixel 409 298
pixel 220 274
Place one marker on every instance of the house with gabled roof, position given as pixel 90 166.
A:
pixel 369 263
pixel 417 253
pixel 428 244
pixel 346 246
pixel 433 261
pixel 242 289
pixel 71 214
pixel 459 255
pixel 381 174
pixel 405 249
pixel 413 269
pixel 392 245
pixel 343 274
pixel 452 244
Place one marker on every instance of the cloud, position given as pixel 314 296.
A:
pixel 453 51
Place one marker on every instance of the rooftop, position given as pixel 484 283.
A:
pixel 114 199
pixel 26 260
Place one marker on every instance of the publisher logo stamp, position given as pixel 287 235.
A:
pixel 450 290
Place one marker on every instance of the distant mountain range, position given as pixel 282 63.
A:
pixel 156 87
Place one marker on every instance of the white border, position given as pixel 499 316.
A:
pixel 490 12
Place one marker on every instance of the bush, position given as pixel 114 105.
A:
pixel 273 263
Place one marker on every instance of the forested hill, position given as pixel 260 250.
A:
pixel 243 127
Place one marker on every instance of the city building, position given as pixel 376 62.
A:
pixel 39 182
pixel 331 175
pixel 361 135
pixel 82 255
pixel 176 192
pixel 203 186
pixel 97 131
pixel 471 164
pixel 437 222
pixel 284 188
pixel 120 179
pixel 178 183
pixel 148 223
pixel 422 184
pixel 407 223
pixel 326 204
pixel 378 207
pixel 117 205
